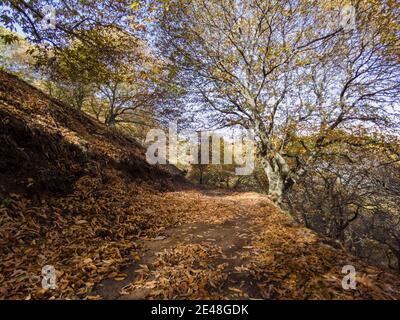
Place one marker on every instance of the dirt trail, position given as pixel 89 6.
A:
pixel 232 237
pixel 81 197
pixel 240 246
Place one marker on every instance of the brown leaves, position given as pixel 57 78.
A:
pixel 276 258
pixel 294 263
pixel 81 235
pixel 90 226
pixel 185 272
pixel 89 233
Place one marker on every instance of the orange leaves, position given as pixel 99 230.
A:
pixel 185 271
pixel 240 247
pixel 85 236
pixel 92 225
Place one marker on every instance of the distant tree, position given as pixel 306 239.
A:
pixel 14 56
pixel 94 60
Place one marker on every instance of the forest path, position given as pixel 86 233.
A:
pixel 239 246
pixel 202 250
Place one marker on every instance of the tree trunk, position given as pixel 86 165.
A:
pixel 110 120
pixel 278 174
pixel 274 165
pixel 280 178
pixel 201 177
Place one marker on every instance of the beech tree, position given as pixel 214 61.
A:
pixel 95 61
pixel 72 19
pixel 287 69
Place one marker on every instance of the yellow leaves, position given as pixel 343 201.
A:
pixel 138 27
pixel 135 5
pixel 136 257
pixel 96 297
pixel 40 292
pixel 120 277
pixel 237 290
pixel 143 268
pixel 241 268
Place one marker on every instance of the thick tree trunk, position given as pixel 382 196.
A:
pixel 274 165
pixel 277 172
pixel 276 180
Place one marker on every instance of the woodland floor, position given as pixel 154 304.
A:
pixel 240 246
pixel 177 255
pixel 81 197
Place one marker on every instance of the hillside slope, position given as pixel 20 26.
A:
pixel 60 170
pixel 81 197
